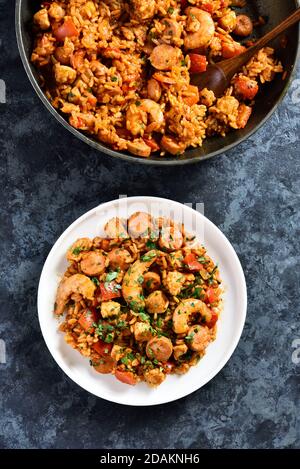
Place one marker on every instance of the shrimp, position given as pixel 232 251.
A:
pixel 137 116
pixel 151 281
pixel 179 350
pixel 171 146
pixel 131 286
pixel 183 312
pixel 77 283
pixel 200 27
pixel 153 90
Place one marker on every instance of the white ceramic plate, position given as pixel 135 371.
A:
pixel 230 324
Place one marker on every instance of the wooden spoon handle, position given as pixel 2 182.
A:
pixel 230 66
pixel 289 21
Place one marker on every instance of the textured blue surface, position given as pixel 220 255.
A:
pixel 47 179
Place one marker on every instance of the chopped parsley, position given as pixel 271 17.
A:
pixel 140 279
pixel 148 256
pixel 77 251
pixel 144 316
pixel 189 337
pixel 111 276
pixel 114 78
pixel 109 338
pixel 95 281
pixel 150 245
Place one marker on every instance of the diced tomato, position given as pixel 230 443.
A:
pixel 92 100
pixel 67 29
pixel 207 7
pixel 214 317
pixel 126 87
pixel 193 96
pixel 211 296
pixel 245 87
pixel 105 365
pixel 198 63
pixel 244 113
pixel 102 348
pixel 87 319
pixel 232 49
pixel 168 367
pixel 105 244
pixel 192 263
pixel 151 143
pixel 126 377
pixel 109 290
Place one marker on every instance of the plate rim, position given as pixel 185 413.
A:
pixel 242 294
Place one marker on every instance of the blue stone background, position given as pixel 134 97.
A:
pixel 47 179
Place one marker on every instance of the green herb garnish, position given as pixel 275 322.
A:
pixel 95 281
pixel 148 256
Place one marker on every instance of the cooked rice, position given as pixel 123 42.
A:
pixel 95 57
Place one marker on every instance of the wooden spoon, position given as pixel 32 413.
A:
pixel 218 76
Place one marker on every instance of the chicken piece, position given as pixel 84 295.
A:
pixel 142 332
pixel 110 309
pixel 156 302
pixel 154 377
pixel 174 282
pixel 64 74
pixel 41 19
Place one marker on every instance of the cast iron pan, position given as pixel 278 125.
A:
pixel 266 102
